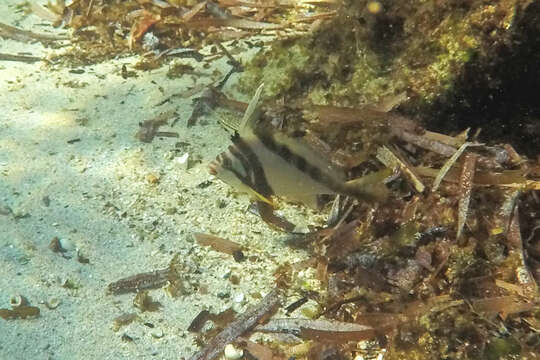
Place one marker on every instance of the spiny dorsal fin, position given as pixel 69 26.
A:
pixel 252 113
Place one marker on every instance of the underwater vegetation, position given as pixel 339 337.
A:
pixel 161 29
pixel 462 63
pixel 445 265
pixel 417 121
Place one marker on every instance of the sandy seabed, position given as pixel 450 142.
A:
pixel 72 168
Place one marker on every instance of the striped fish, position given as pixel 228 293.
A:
pixel 264 163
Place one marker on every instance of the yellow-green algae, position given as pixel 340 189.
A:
pixel 418 46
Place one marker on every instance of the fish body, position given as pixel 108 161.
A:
pixel 264 163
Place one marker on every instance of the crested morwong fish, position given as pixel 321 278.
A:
pixel 265 163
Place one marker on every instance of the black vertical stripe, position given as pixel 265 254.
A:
pixel 260 182
pixel 225 162
pixel 243 161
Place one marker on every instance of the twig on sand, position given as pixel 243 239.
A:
pixel 21 58
pixel 240 325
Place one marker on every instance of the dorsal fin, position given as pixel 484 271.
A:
pixel 252 112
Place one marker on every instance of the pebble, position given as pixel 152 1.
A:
pixel 150 41
pixel 66 244
pixel 238 298
pixel 232 353
pixel 183 160
pixel 152 179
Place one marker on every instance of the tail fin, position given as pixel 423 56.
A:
pixel 370 187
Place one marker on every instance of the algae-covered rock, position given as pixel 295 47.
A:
pixel 419 46
pixel 283 67
pixel 444 54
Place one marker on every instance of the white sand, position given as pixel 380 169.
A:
pixel 102 203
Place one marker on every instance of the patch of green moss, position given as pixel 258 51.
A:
pixel 406 235
pixel 426 49
pixel 460 262
pixel 502 348
pixel 454 47
pixel 280 69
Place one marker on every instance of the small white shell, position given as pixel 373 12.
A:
pixel 232 353
pixel 183 160
pixel 53 303
pixel 17 301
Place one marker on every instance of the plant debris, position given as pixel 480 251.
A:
pixel 220 244
pixel 56 246
pixel 106 29
pixel 149 129
pixel 11 32
pixel 465 189
pixel 425 263
pixel 143 281
pixel 242 324
pixel 220 320
pixel 19 311
pixel 199 321
pixel 22 58
pixel 123 320
pixel 143 301
pixel 317 329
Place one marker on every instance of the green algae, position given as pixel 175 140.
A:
pixel 502 348
pixel 283 68
pixel 424 48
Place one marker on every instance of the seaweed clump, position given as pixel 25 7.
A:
pixel 446 267
pixel 447 270
pixel 104 29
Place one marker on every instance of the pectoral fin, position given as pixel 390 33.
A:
pixel 259 198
